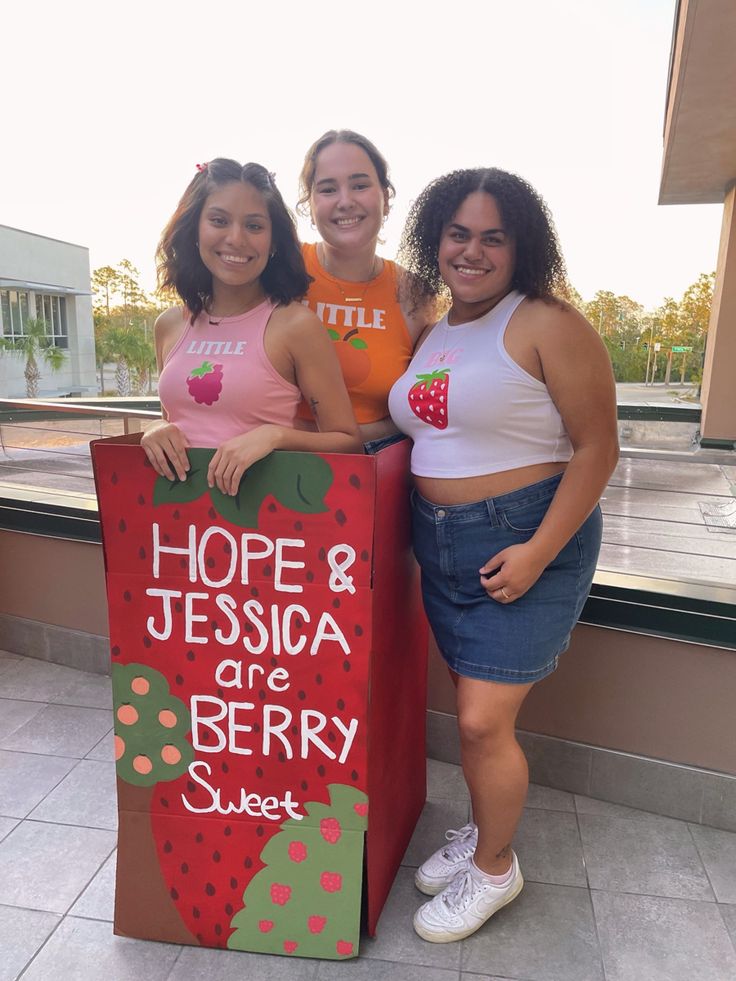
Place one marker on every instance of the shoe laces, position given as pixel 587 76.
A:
pixel 460 844
pixel 461 891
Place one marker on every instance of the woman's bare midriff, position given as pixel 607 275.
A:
pixel 466 490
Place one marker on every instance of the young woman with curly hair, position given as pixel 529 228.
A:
pixel 362 299
pixel 511 404
pixel 241 353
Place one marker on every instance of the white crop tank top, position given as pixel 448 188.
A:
pixel 470 408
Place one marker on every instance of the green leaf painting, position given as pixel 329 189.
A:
pixel 298 481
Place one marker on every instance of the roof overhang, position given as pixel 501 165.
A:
pixel 23 284
pixel 699 161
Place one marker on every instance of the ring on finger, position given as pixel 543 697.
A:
pixel 505 594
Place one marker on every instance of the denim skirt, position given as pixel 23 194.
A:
pixel 517 642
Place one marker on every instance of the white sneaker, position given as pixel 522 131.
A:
pixel 465 905
pixel 441 868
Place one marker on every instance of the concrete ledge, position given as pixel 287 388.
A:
pixel 60 645
pixel 674 790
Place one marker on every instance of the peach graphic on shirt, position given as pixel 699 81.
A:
pixel 428 398
pixel 205 383
pixel 355 363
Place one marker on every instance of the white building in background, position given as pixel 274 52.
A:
pixel 45 278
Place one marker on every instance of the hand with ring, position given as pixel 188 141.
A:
pixel 511 572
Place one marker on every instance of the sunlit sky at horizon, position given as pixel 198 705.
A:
pixel 108 109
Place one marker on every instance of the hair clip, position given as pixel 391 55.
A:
pixel 272 177
pixel 202 167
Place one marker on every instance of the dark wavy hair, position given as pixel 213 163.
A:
pixel 178 263
pixel 306 177
pixel 539 269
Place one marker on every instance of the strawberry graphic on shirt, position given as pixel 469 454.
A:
pixel 205 383
pixel 428 398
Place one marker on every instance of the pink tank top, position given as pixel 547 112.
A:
pixel 217 381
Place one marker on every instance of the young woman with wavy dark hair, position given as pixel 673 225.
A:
pixel 511 405
pixel 240 354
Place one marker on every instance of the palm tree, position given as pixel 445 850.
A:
pixel 34 345
pixel 134 356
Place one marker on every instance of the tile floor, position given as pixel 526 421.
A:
pixel 612 894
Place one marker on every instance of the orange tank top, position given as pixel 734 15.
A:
pixel 366 323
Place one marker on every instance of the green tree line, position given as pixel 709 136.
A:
pixel 632 333
pixel 124 315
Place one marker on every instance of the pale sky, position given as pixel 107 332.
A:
pixel 108 107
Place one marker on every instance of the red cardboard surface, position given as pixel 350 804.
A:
pixel 268 665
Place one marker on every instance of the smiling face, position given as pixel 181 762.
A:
pixel 476 257
pixel 347 201
pixel 235 238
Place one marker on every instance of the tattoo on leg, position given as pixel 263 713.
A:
pixel 505 851
pixel 313 403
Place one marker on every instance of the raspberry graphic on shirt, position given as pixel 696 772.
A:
pixel 205 383
pixel 428 398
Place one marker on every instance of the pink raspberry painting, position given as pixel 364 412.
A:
pixel 205 383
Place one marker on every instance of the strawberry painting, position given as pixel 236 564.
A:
pixel 428 398
pixel 241 633
pixel 205 383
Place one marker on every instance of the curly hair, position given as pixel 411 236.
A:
pixel 306 177
pixel 178 264
pixel 539 269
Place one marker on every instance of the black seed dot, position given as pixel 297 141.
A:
pixel 301 695
pixel 364 555
pixel 216 856
pixel 249 628
pixel 199 837
pixel 254 591
pixel 262 695
pixel 179 680
pixel 173 893
pixel 322 555
pixel 114 478
pixel 228 831
pixel 281 757
pixel 340 704
pixel 298 526
pixel 210 563
pixel 212 514
pixel 225 769
pixel 304 785
pixel 141 553
pixel 178 607
pixel 227 548
pixel 295 730
pixel 182 563
pixel 346 665
pixel 256 727
pixel 184 868
pixel 195 912
pixel 358 630
pixel 299 623
pixel 200 938
pixel 218 929
pixel 209 889
pixel 220 692
pixel 205 737
pixel 310 576
pixel 321 770
pixel 122 525
pixel 331 737
pixel 176 515
pixel 233 882
pixel 354 775
pixel 190 655
pixel 259 771
pixel 340 517
pixel 259 831
pixel 354 480
pixel 336 603
pixel 164 802
pixel 141 499
pixel 267 570
pixel 248 862
pixel 147 642
pixel 318 679
pixel 272 507
pixel 167 539
pixel 274 662
pixel 191 786
pixel 126 596
pixel 115 651
pixel 229 906
pixel 168 847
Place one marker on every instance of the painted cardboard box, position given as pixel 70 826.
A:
pixel 269 677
